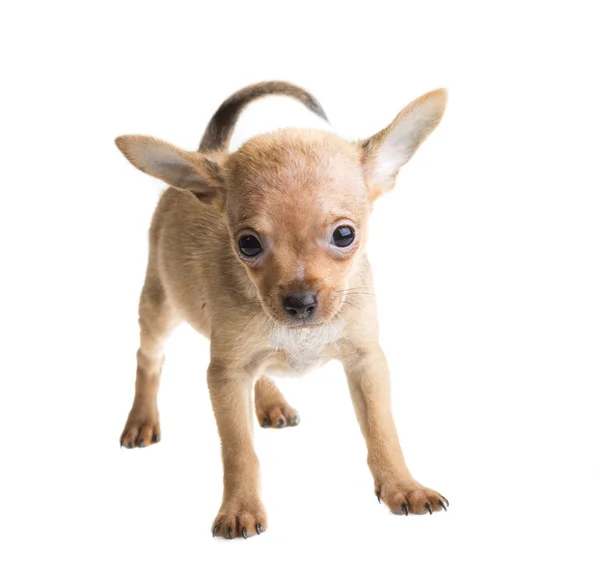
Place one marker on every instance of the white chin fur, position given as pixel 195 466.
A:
pixel 304 347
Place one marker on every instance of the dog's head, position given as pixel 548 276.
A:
pixel 296 202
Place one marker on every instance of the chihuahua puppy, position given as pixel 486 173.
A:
pixel 263 251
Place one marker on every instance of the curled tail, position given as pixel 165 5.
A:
pixel 220 128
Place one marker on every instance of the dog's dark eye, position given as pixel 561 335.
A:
pixel 343 236
pixel 249 246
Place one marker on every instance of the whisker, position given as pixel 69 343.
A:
pixel 353 305
pixel 250 319
pixel 358 293
pixel 248 303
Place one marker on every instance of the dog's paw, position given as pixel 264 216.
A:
pixel 141 430
pixel 405 498
pixel 240 519
pixel 277 416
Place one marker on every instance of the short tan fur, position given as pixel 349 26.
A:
pixel 302 198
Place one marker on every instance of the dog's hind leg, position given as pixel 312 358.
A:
pixel 272 409
pixel 157 320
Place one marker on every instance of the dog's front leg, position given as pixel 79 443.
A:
pixel 242 513
pixel 369 382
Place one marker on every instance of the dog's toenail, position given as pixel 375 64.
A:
pixel 442 504
pixel 244 533
pixel 130 444
pixel 447 502
pixel 230 533
pixel 259 529
pixel 428 506
pixel 142 444
pixel 378 494
pixel 405 506
pixel 281 422
pixel 215 529
pixel 265 422
pixel 295 420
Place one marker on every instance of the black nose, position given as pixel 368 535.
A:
pixel 300 305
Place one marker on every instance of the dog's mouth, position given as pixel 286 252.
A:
pixel 304 323
pixel 281 320
pixel 323 317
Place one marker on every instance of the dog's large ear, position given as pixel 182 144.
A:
pixel 196 172
pixel 387 151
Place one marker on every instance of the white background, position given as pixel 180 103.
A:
pixel 486 261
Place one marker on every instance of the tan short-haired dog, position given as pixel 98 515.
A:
pixel 263 251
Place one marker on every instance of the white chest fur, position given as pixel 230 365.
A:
pixel 304 348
